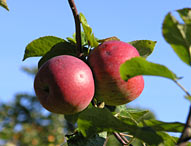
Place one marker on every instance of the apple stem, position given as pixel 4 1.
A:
pixel 77 26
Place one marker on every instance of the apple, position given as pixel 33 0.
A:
pixel 64 85
pixel 105 61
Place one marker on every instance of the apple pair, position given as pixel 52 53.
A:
pixel 65 84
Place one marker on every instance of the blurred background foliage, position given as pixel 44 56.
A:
pixel 25 122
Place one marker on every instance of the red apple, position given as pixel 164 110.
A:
pixel 105 61
pixel 64 85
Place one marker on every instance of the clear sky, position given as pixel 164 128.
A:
pixel 127 19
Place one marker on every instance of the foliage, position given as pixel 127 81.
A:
pixel 3 3
pixel 139 66
pixel 178 35
pixel 23 120
pixel 90 122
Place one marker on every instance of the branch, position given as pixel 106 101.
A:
pixel 186 134
pixel 187 93
pixel 122 139
pixel 77 26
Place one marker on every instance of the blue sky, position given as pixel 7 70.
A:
pixel 127 19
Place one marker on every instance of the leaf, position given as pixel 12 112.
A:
pixel 139 66
pixel 144 47
pixel 91 121
pixel 178 35
pixel 83 39
pixel 3 3
pixel 167 140
pixel 88 32
pixel 112 141
pixel 103 134
pixel 30 70
pixel 134 114
pixel 79 140
pixel 188 97
pixel 108 39
pixel 120 108
pixel 63 48
pixel 41 46
pixel 95 120
pixel 185 14
pixel 163 126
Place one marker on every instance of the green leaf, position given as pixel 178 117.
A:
pixel 163 126
pixel 103 134
pixel 188 97
pixel 137 142
pixel 41 46
pixel 91 121
pixel 95 120
pixel 88 32
pixel 167 140
pixel 63 48
pixel 109 39
pixel 120 108
pixel 112 141
pixel 134 114
pixel 3 3
pixel 178 35
pixel 185 14
pixel 30 70
pixel 83 39
pixel 140 66
pixel 79 140
pixel 144 47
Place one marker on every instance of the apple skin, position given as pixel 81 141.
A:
pixel 105 61
pixel 64 85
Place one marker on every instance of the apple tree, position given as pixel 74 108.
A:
pixel 106 120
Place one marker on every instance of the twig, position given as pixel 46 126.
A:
pixel 122 139
pixel 123 134
pixel 119 138
pixel 187 93
pixel 77 26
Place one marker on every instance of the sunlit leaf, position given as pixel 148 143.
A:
pixel 134 114
pixel 3 3
pixel 167 140
pixel 140 66
pixel 88 32
pixel 163 126
pixel 109 39
pixel 185 14
pixel 144 47
pixel 41 46
pixel 178 35
pixel 83 39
